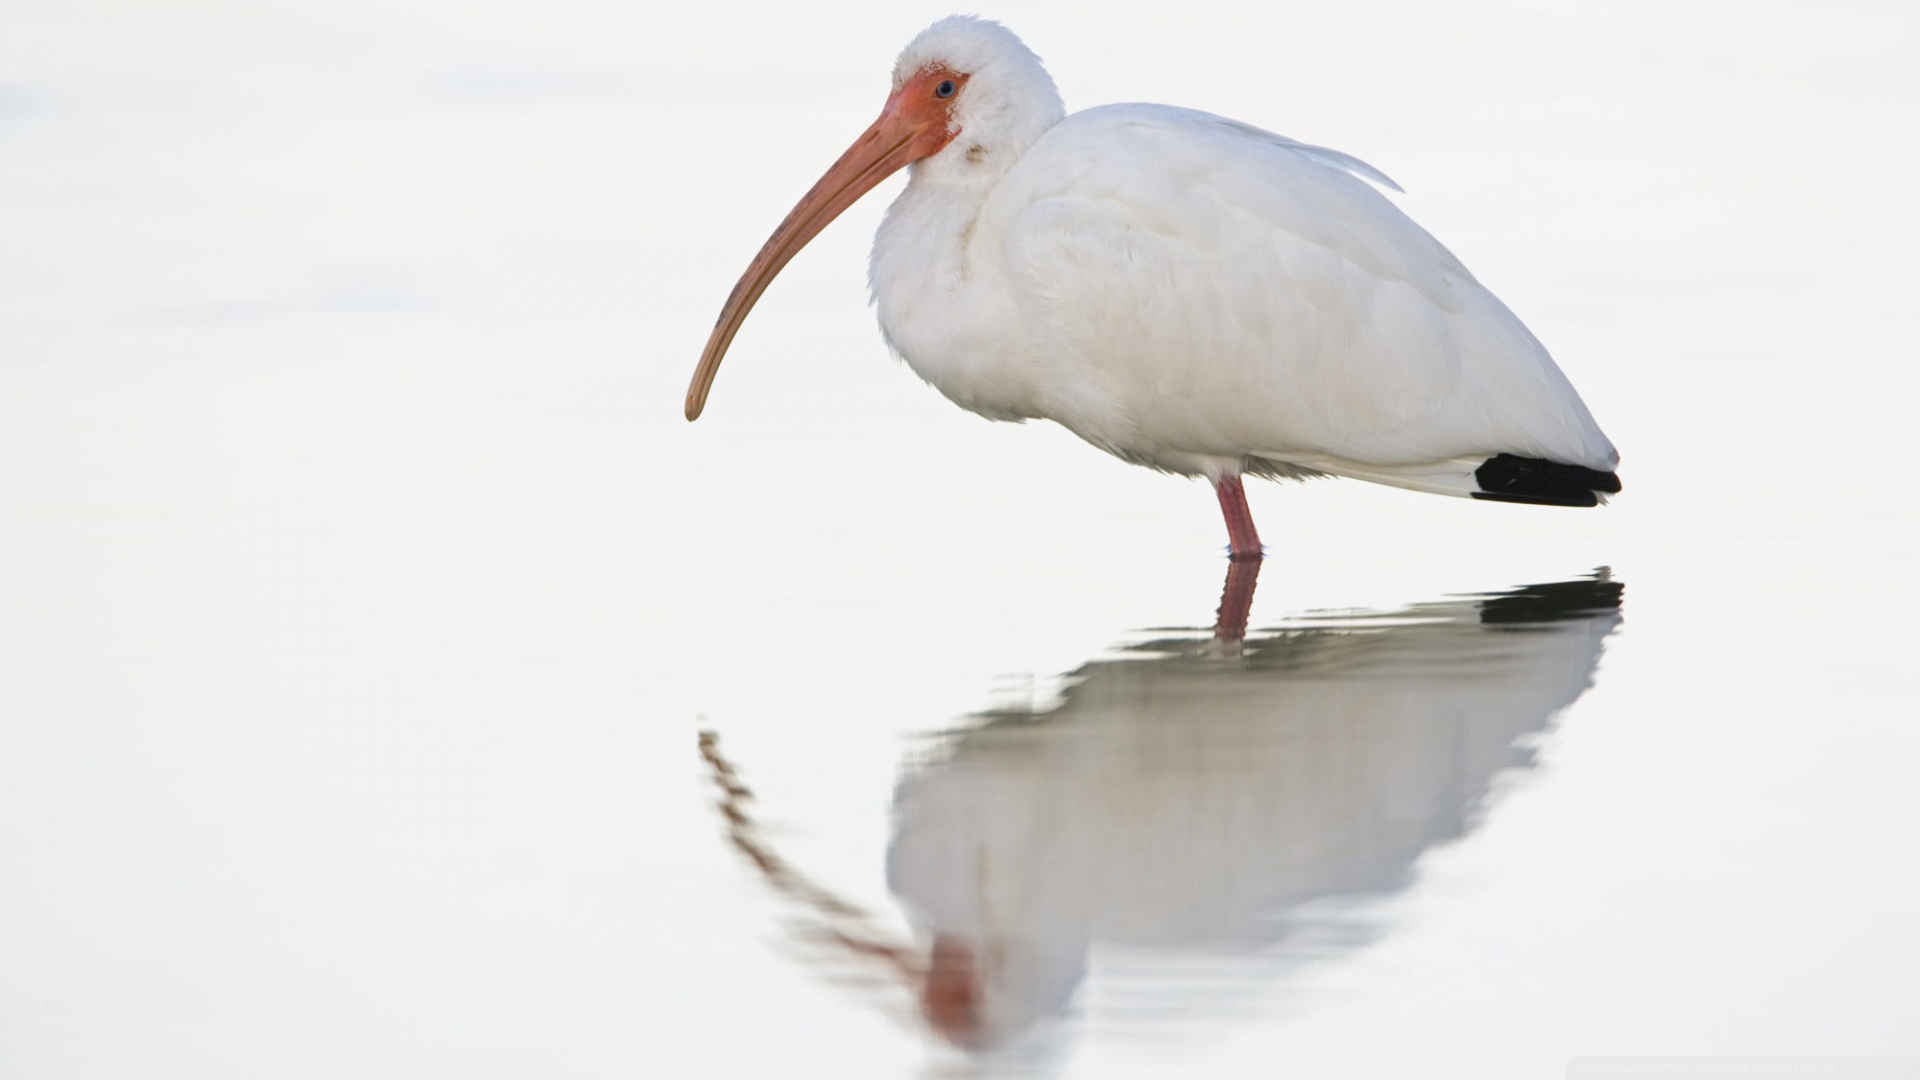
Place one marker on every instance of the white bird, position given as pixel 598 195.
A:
pixel 1184 291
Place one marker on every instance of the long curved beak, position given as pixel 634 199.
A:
pixel 894 140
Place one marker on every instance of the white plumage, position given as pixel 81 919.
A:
pixel 1186 292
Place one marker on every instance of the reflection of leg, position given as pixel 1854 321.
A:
pixel 1240 531
pixel 1236 599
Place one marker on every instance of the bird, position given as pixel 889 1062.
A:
pixel 1187 292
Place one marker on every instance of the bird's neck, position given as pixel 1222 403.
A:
pixel 929 228
pixel 938 282
pixel 936 290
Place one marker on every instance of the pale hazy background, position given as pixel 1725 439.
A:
pixel 362 589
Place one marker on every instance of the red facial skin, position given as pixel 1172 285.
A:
pixel 915 123
pixel 950 998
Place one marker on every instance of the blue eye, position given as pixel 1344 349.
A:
pixel 945 89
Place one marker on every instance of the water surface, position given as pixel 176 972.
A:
pixel 363 595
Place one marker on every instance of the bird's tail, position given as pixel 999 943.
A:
pixel 1500 478
pixel 1511 478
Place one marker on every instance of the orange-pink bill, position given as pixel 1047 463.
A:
pixel 914 124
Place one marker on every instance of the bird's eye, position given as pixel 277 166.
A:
pixel 945 89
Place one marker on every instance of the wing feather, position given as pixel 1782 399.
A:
pixel 1237 293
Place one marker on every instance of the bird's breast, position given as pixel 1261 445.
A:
pixel 944 307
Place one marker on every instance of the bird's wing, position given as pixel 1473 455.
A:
pixel 1235 292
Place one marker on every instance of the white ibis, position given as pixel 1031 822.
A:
pixel 1183 291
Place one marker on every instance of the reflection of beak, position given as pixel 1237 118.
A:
pixel 896 139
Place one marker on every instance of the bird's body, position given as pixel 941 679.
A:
pixel 1205 298
pixel 1192 294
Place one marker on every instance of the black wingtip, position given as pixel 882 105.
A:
pixel 1511 478
pixel 1555 602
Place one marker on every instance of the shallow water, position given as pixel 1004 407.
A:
pixel 364 598
pixel 1218 806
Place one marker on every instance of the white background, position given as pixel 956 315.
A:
pixel 362 589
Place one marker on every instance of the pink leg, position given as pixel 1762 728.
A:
pixel 1240 532
pixel 1236 599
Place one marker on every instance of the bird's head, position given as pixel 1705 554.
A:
pixel 1006 103
pixel 968 98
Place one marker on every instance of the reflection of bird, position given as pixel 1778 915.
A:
pixel 1179 800
pixel 1184 291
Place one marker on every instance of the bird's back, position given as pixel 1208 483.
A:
pixel 1186 290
